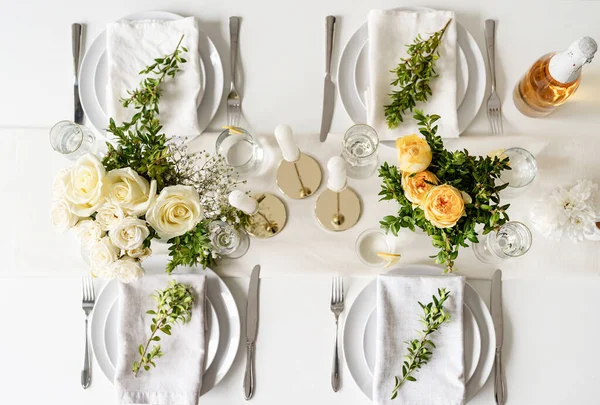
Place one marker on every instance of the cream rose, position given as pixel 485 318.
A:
pixel 414 153
pixel 60 183
pixel 443 206
pixel 417 186
pixel 126 270
pixel 130 233
pixel 62 216
pixel 109 216
pixel 175 211
pixel 140 253
pixel 130 191
pixel 85 187
pixel 89 232
pixel 103 254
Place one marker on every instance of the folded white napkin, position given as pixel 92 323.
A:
pixel 439 382
pixel 177 377
pixel 133 45
pixel 390 31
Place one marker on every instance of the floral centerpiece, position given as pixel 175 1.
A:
pixel 147 187
pixel 446 194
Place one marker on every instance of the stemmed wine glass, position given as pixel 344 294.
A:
pixel 513 239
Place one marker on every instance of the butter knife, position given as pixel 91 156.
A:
pixel 496 309
pixel 329 87
pixel 251 331
pixel 76 40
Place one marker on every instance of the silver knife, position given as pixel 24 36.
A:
pixel 496 309
pixel 329 88
pixel 77 36
pixel 251 331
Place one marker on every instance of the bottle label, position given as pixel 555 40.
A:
pixel 565 67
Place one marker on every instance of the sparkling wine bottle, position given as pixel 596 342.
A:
pixel 553 79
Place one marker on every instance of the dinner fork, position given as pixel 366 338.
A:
pixel 337 306
pixel 234 101
pixel 88 301
pixel 494 107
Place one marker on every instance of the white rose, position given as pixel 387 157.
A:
pixel 127 270
pixel 139 253
pixel 89 232
pixel 105 272
pixel 129 233
pixel 86 185
pixel 175 211
pixel 62 216
pixel 109 216
pixel 103 253
pixel 60 183
pixel 130 191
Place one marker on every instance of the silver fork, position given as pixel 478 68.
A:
pixel 87 303
pixel 494 108
pixel 337 306
pixel 234 102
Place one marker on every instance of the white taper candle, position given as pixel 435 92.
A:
pixel 336 180
pixel 285 139
pixel 243 202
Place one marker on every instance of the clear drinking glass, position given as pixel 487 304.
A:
pixel 240 149
pixel 72 140
pixel 359 150
pixel 227 240
pixel 371 242
pixel 523 168
pixel 513 239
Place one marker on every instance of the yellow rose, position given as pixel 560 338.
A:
pixel 444 205
pixel 414 153
pixel 417 186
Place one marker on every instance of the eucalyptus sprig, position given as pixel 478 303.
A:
pixel 413 75
pixel 420 350
pixel 174 305
pixel 475 175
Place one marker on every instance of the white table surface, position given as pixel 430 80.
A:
pixel 551 335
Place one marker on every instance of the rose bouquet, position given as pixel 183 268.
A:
pixel 446 194
pixel 145 188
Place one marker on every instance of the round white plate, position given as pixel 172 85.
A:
pixel 226 316
pixel 471 336
pixel 110 333
pixel 358 359
pixel 353 76
pixel 93 76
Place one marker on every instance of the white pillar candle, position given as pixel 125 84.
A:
pixel 336 181
pixel 285 139
pixel 243 202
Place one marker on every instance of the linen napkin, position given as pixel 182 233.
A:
pixel 441 380
pixel 133 45
pixel 390 31
pixel 177 377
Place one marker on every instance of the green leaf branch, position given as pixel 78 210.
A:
pixel 420 350
pixel 174 305
pixel 413 75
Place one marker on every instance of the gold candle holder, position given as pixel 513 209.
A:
pixel 299 179
pixel 270 217
pixel 338 211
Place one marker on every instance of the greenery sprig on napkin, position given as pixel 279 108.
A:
pixel 420 350
pixel 174 305
pixel 413 76
pixel 444 193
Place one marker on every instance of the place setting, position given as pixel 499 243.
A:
pixel 159 221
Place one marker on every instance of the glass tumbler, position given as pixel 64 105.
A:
pixel 513 239
pixel 240 150
pixel 523 168
pixel 72 140
pixel 227 240
pixel 359 150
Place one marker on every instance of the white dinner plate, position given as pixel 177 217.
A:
pixel 220 351
pixel 93 76
pixel 359 331
pixel 353 75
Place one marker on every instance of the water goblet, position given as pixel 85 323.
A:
pixel 72 140
pixel 513 239
pixel 359 150
pixel 227 240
